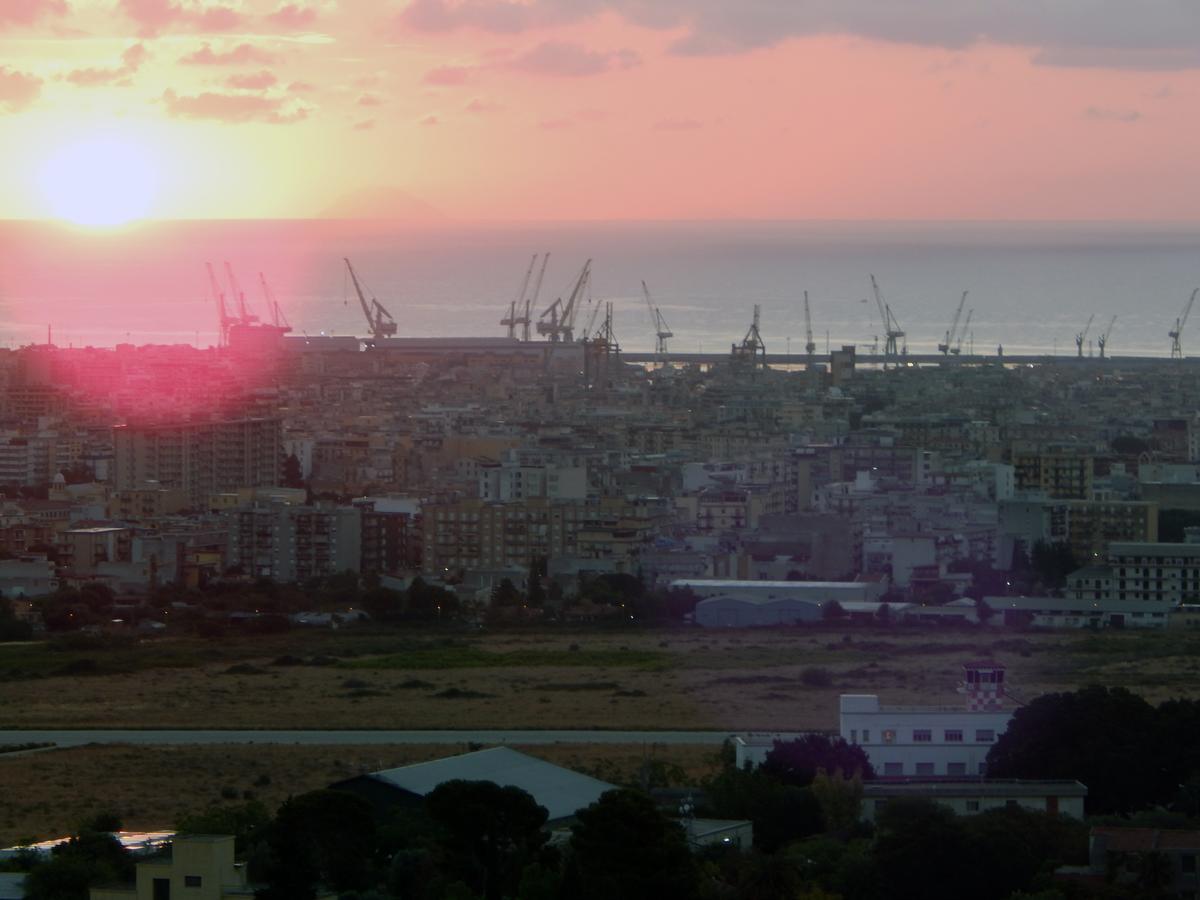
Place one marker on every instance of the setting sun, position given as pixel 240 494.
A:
pixel 99 181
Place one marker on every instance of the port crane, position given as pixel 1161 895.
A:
pixel 891 328
pixel 379 321
pixel 1102 341
pixel 557 322
pixel 661 331
pixel 945 346
pixel 966 326
pixel 531 300
pixel 223 316
pixel 752 351
pixel 278 319
pixel 245 317
pixel 512 320
pixel 1082 336
pixel 810 346
pixel 1174 333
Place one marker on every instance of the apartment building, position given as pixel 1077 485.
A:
pixel 1058 475
pixel 200 458
pixel 294 543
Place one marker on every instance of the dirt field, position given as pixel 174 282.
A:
pixel 47 794
pixel 683 679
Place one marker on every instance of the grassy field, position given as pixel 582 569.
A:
pixel 637 679
pixel 47 794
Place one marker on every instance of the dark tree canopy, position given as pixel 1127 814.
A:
pixel 622 846
pixel 494 831
pixel 797 761
pixel 1100 736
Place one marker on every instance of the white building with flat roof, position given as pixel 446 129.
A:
pixel 930 740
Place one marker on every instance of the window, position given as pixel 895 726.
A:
pixel 854 735
pixel 1187 863
pixel 866 735
pixel 958 768
pixel 889 735
pixel 192 881
pixel 924 768
pixel 984 735
pixel 893 768
pixel 983 768
pixel 161 888
pixel 972 806
pixel 954 735
pixel 922 735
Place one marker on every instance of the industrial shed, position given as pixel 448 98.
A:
pixel 747 612
pixel 561 791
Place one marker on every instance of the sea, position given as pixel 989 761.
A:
pixel 1032 287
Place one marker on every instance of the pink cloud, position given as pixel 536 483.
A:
pixel 430 120
pixel 364 125
pixel 232 108
pixel 26 12
pixel 240 55
pixel 17 89
pixel 562 59
pixel 369 100
pixel 253 81
pixel 121 76
pixel 479 105
pixel 677 125
pixel 301 87
pixel 445 76
pixel 291 16
pixel 155 15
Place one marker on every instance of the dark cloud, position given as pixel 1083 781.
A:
pixel 242 54
pixel 26 12
pixel 1111 115
pixel 232 108
pixel 17 89
pixel 569 60
pixel 1148 34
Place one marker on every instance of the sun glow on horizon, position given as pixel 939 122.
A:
pixel 101 181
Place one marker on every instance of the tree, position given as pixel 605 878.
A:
pixel 493 831
pixel 1053 562
pixel 798 761
pixel 1100 736
pixel 622 846
pixel 537 571
pixel 91 857
pixel 840 800
pixel 506 594
pixel 245 822
pixel 293 474
pixel 781 813
pixel 832 611
pixel 983 611
pixel 12 628
pixel 322 837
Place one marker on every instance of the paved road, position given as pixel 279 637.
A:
pixel 75 738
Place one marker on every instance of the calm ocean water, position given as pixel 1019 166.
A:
pixel 1032 286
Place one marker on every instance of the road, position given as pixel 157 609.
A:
pixel 79 737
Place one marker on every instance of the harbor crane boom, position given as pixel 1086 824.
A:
pixel 531 300
pixel 966 325
pixel 810 346
pixel 1082 336
pixel 661 331
pixel 379 321
pixel 512 320
pixel 278 319
pixel 891 327
pixel 1174 333
pixel 944 347
pixel 557 322
pixel 223 316
pixel 245 317
pixel 1102 341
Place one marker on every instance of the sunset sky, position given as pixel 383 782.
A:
pixel 600 109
